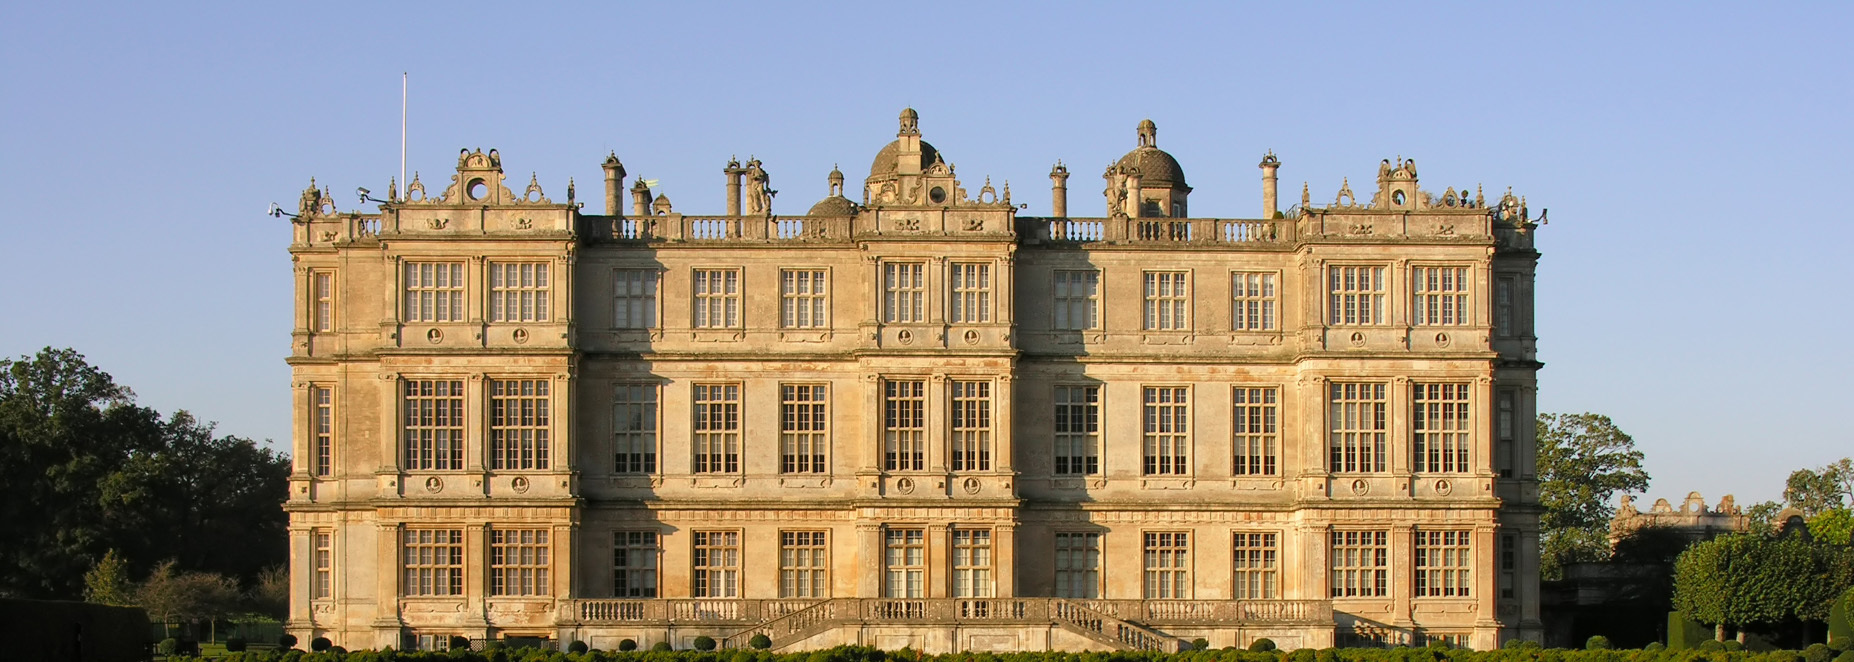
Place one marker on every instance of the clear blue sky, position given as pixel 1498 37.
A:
pixel 1694 158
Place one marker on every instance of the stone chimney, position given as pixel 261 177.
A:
pixel 1269 165
pixel 734 172
pixel 614 182
pixel 640 198
pixel 1059 191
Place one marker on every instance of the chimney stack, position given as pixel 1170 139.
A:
pixel 734 171
pixel 640 198
pixel 614 182
pixel 1059 191
pixel 1269 205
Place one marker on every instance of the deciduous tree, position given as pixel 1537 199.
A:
pixel 1584 461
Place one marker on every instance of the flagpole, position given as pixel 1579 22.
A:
pixel 402 129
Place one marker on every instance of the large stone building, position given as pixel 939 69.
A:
pixel 914 419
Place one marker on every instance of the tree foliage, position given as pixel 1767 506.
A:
pixel 1821 490
pixel 174 596
pixel 89 471
pixel 1758 579
pixel 1584 460
pixel 108 583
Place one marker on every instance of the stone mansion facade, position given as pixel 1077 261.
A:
pixel 915 418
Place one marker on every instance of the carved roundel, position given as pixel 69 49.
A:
pixel 434 336
pixel 972 336
pixel 905 336
pixel 1443 487
pixel 521 336
pixel 905 485
pixel 434 484
pixel 1442 340
pixel 520 484
pixel 1360 487
pixel 971 486
pixel 1358 339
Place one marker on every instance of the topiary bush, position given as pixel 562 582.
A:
pixel 1654 647
pixel 1597 643
pixel 1817 653
pixel 459 642
pixel 577 647
pixel 286 641
pixel 1845 656
pixel 1199 644
pixel 707 643
pixel 662 646
pixel 234 644
pixel 170 646
pixel 760 641
pixel 1262 645
pixel 1520 644
pixel 1734 645
pixel 627 645
pixel 1712 646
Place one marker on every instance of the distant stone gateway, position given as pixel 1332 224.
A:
pixel 914 418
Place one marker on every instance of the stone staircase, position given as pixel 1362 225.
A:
pixel 1080 619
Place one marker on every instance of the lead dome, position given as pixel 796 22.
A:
pixel 1156 166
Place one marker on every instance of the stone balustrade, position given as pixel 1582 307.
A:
pixel 947 610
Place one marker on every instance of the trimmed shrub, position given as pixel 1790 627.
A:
pixel 459 642
pixel 1845 656
pixel 286 641
pixel 234 644
pixel 170 646
pixel 1734 645
pixel 1199 644
pixel 577 647
pixel 1261 645
pixel 662 646
pixel 1684 633
pixel 1841 623
pixel 1817 653
pixel 1712 646
pixel 1597 643
pixel 1520 644
pixel 1654 647
pixel 320 644
pixel 627 645
pixel 760 641
pixel 707 643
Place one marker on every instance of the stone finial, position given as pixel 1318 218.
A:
pixel 1306 196
pixel 1693 505
pixel 662 205
pixel 1269 160
pixel 1148 134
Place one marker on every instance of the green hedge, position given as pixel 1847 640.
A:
pixel 861 654
pixel 1841 623
pixel 1684 633
pixel 50 630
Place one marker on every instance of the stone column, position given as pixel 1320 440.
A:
pixel 1003 560
pixel 939 540
pixel 869 560
pixel 614 183
pixel 733 172
pixel 1269 205
pixel 1059 191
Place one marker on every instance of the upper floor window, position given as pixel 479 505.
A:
pixel 1443 562
pixel 717 428
pixel 1168 301
pixel 1254 425
pixel 1356 428
pixel 518 423
pixel 1254 306
pixel 716 564
pixel 904 563
pixel 1361 564
pixel 434 424
pixel 634 564
pixel 634 428
pixel 323 292
pixel 1167 429
pixel 1440 438
pixel 1078 429
pixel 904 293
pixel 1505 428
pixel 634 298
pixel 1440 296
pixel 1168 565
pixel 323 399
pixel 971 426
pixel 433 562
pixel 1356 295
pixel 971 294
pixel 904 425
pixel 803 428
pixel 1077 300
pixel 804 299
pixel 717 299
pixel 518 292
pixel 434 292
pixel 518 563
pixel 1505 317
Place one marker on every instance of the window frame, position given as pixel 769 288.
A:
pixel 706 430
pixel 904 295
pixel 321 300
pixel 446 562
pixel 421 293
pixel 1441 307
pixel 1173 578
pixel 1446 555
pixel 1372 574
pixel 1062 288
pixel 647 438
pixel 1090 437
pixel 809 308
pixel 912 570
pixel 800 429
pixel 970 424
pixel 704 569
pixel 527 559
pixel 706 301
pixel 1442 427
pixel 1255 557
pixel 322 564
pixel 322 412
pixel 1090 574
pixel 1353 305
pixel 629 543
pixel 1176 413
pixel 1360 448
pixel 531 451
pixel 904 442
pixel 529 296
pixel 974 563
pixel 1159 301
pixel 969 292
pixel 1244 441
pixel 804 564
pixel 1266 303
pixel 412 450
pixel 647 294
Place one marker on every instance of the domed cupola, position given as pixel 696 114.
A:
pixel 908 156
pixel 1147 181
pixel 836 204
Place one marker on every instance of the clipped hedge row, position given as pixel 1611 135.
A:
pixel 1817 653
